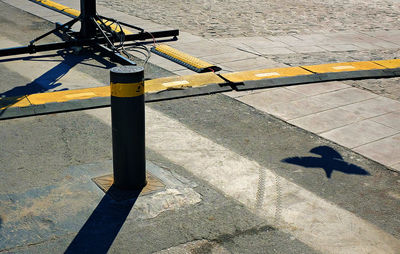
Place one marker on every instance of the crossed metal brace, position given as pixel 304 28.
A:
pixel 95 33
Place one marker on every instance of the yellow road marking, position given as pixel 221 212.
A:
pixel 176 83
pixel 14 102
pixel 120 90
pixel 181 82
pixel 79 95
pixel 268 74
pixel 62 96
pixel 343 67
pixel 60 7
pixel 338 67
pixel 391 64
pixel 76 13
pixel 156 85
pixel 265 73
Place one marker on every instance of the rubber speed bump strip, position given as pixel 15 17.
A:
pixel 351 70
pixel 75 13
pixel 248 80
pixel 58 7
pixel 237 77
pixel 184 86
pixel 265 78
pixel 155 90
pixel 181 82
pixel 184 59
pixel 198 84
pixel 343 67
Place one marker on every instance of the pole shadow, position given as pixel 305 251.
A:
pixel 102 227
pixel 50 79
pixel 329 160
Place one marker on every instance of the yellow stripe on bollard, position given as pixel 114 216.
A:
pixel 126 90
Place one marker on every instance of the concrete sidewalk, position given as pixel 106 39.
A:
pixel 244 172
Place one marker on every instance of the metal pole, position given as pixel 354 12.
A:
pixel 88 12
pixel 128 127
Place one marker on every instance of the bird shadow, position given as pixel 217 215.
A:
pixel 329 160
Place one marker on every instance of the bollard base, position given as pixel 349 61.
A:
pixel 105 183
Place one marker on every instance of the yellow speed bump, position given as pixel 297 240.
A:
pixel 151 86
pixel 115 27
pixel 342 67
pixel 182 58
pixel 75 13
pixel 62 96
pixel 391 64
pixel 14 102
pixel 265 73
pixel 181 82
pixel 59 7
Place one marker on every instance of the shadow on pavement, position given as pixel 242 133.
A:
pixel 329 160
pixel 103 225
pixel 50 79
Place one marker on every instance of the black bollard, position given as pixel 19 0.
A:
pixel 128 127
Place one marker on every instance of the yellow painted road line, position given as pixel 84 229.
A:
pixel 59 7
pixel 196 80
pixel 15 102
pixel 63 96
pixel 342 67
pixel 151 86
pixel 80 95
pixel 75 13
pixel 265 73
pixel 391 64
pixel 180 82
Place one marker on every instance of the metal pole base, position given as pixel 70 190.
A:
pixel 94 33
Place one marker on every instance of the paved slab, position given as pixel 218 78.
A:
pixel 339 115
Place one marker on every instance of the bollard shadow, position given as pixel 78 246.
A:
pixel 329 160
pixel 102 227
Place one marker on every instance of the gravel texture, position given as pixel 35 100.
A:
pixel 226 18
